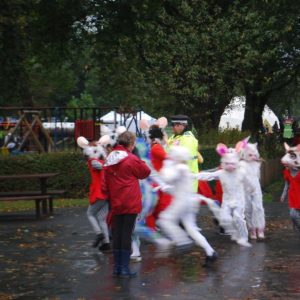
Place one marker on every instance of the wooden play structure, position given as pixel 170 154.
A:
pixel 34 137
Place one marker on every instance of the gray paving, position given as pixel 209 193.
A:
pixel 52 259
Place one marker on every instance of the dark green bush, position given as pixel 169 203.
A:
pixel 211 158
pixel 73 173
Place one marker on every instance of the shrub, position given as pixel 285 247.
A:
pixel 73 173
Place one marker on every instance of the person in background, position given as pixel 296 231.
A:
pixel 183 136
pixel 123 171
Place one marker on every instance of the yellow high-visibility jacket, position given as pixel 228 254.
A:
pixel 187 140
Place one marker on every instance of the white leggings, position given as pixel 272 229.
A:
pixel 169 221
pixel 233 220
pixel 97 214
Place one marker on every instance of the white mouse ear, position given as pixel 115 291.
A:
pixel 82 142
pixel 286 147
pixel 104 130
pixel 162 122
pixel 104 140
pixel 144 125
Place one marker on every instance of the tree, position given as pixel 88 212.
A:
pixel 175 45
pixel 267 52
pixel 35 42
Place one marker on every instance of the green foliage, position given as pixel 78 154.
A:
pixel 273 191
pixel 270 146
pixel 165 57
pixel 30 205
pixel 73 173
pixel 212 137
pixel 211 158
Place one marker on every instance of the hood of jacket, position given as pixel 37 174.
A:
pixel 116 156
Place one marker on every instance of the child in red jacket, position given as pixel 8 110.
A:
pixel 98 208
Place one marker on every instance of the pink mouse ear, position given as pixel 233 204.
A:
pixel 221 149
pixel 82 142
pixel 286 147
pixel 104 140
pixel 242 144
pixel 144 125
pixel 298 147
pixel 162 122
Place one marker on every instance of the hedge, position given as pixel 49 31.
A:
pixel 73 173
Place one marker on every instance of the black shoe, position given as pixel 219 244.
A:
pixel 209 260
pixel 99 238
pixel 104 247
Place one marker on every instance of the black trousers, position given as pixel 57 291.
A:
pixel 122 228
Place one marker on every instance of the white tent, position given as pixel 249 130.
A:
pixel 233 115
pixel 114 119
pixel 111 117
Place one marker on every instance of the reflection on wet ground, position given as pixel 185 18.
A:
pixel 52 259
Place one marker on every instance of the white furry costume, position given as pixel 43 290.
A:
pixel 232 178
pixel 185 204
pixel 254 210
pixel 291 160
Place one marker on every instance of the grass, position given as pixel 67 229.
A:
pixel 9 206
pixel 271 193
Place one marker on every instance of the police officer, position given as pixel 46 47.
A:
pixel 183 136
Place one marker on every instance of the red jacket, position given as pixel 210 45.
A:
pixel 294 188
pixel 96 185
pixel 122 173
pixel 157 155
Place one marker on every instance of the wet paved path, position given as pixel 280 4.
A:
pixel 52 259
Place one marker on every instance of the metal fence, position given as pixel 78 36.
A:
pixel 64 124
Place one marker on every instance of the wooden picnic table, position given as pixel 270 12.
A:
pixel 42 195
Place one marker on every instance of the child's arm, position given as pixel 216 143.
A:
pixel 208 176
pixel 284 194
pixel 96 164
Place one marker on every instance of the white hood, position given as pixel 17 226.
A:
pixel 115 157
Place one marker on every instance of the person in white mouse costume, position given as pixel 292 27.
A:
pixel 291 174
pixel 254 210
pixel 233 178
pixel 184 206
pixel 98 205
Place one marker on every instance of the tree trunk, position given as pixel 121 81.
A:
pixel 253 112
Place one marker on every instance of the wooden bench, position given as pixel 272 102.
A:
pixel 43 195
pixel 37 198
pixel 30 194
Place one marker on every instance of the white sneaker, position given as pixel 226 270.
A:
pixel 244 242
pixel 260 234
pixel 134 258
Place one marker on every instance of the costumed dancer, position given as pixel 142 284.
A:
pixel 184 206
pixel 291 174
pixel 98 205
pixel 232 178
pixel 158 140
pixel 254 210
pixel 149 203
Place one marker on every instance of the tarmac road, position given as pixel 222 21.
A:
pixel 53 259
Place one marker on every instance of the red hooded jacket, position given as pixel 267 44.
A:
pixel 122 173
pixel 96 186
pixel 294 188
